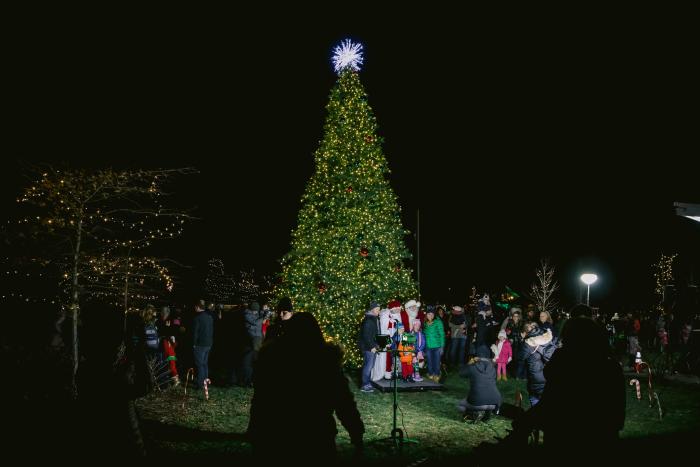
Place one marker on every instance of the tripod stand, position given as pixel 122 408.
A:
pixel 397 436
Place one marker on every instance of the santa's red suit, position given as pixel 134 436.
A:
pixel 387 323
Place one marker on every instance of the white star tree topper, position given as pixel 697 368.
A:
pixel 347 55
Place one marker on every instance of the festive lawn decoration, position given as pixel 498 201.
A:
pixel 348 248
pixel 635 383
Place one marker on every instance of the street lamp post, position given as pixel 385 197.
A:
pixel 588 279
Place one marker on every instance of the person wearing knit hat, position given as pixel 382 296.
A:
pixel 285 311
pixel 484 398
pixel 503 354
pixel 434 343
pixel 369 347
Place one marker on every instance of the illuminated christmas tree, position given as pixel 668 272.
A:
pixel 218 285
pixel 348 247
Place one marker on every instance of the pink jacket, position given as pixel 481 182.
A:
pixel 506 352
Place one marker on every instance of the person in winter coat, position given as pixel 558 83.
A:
pixel 458 335
pixel 419 349
pixel 486 326
pixel 434 343
pixel 514 327
pixel 580 417
pixel 536 351
pixel 483 398
pixel 202 340
pixel 369 329
pixel 503 354
pixel 253 319
pixel 285 311
pixel 289 423
pixel 404 343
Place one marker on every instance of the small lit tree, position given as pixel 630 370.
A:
pixel 663 275
pixel 543 289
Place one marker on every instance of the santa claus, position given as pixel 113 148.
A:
pixel 387 325
pixel 411 313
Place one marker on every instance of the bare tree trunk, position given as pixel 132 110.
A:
pixel 126 283
pixel 75 301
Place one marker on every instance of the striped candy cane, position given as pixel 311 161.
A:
pixel 635 382
pixel 207 382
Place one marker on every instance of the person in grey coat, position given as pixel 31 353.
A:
pixel 253 325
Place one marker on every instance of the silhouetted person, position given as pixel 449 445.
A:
pixel 109 380
pixel 239 344
pixel 289 419
pixel 285 311
pixel 582 408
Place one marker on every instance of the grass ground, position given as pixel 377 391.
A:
pixel 182 425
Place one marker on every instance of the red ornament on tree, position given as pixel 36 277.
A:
pixel 349 189
pixel 364 251
pixel 321 287
pixel 397 268
pixel 369 138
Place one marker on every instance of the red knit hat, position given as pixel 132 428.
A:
pixel 394 304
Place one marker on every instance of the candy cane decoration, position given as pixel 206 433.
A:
pixel 188 377
pixel 651 390
pixel 207 382
pixel 634 382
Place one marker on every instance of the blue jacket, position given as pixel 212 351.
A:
pixel 203 330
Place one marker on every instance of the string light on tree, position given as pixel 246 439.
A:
pixel 104 219
pixel 329 270
pixel 663 275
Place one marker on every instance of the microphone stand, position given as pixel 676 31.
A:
pixel 397 436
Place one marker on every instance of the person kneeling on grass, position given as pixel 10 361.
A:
pixel 484 398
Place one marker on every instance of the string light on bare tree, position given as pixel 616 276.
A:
pixel 97 222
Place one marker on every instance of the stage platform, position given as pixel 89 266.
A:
pixel 385 385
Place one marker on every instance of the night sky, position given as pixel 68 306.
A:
pixel 570 145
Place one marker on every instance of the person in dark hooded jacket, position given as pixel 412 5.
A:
pixel 288 422
pixel 538 347
pixel 483 398
pixel 580 417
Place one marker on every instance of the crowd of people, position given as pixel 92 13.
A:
pixel 413 342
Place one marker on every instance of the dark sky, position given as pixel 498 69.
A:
pixel 514 145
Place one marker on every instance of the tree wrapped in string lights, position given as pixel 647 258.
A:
pixel 251 287
pixel 663 275
pixel 348 247
pixel 218 285
pixel 94 227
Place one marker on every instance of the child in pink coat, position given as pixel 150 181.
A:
pixel 503 354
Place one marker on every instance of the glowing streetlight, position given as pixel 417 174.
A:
pixel 588 279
